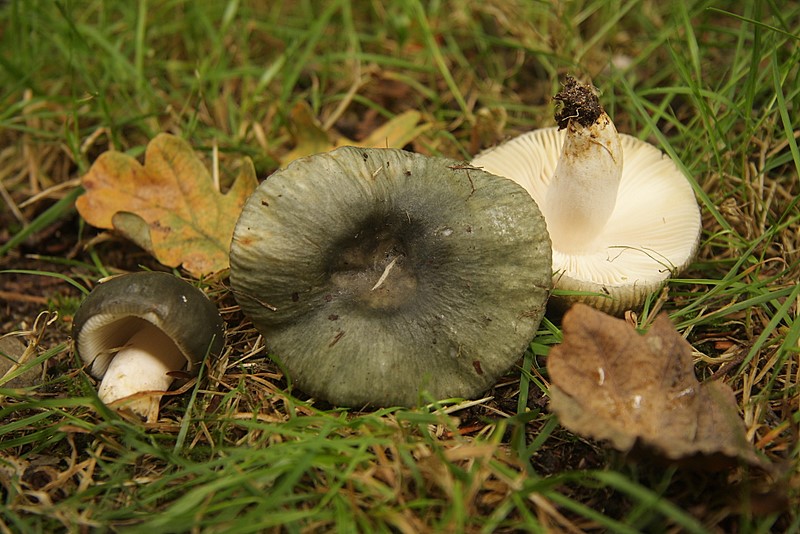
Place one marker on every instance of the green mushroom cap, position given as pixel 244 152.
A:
pixel 382 277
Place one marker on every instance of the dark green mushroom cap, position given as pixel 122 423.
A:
pixel 379 276
pixel 117 308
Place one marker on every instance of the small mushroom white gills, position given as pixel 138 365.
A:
pixel 621 215
pixel 135 330
pixel 393 278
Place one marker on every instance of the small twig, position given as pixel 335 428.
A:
pixel 12 206
pixel 50 192
pixel 385 274
pixel 467 168
pixel 215 164
pixel 336 338
pixel 21 297
pixel 358 82
pixel 258 301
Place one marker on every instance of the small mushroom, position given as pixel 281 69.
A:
pixel 381 277
pixel 619 231
pixel 135 331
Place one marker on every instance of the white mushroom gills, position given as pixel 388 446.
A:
pixel 140 370
pixel 618 232
pixel 583 189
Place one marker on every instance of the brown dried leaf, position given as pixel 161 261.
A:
pixel 311 139
pixel 611 383
pixel 168 206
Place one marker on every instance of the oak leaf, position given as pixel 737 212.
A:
pixel 310 138
pixel 168 206
pixel 611 383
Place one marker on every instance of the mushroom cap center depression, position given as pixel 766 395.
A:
pixel 378 266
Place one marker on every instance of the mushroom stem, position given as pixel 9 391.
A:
pixel 142 365
pixel 583 189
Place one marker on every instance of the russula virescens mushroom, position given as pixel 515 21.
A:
pixel 621 215
pixel 382 277
pixel 134 331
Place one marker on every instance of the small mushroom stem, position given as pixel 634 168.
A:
pixel 583 189
pixel 142 365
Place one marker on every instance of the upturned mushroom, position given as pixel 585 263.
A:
pixel 135 331
pixel 381 277
pixel 618 230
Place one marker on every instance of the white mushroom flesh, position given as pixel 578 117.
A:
pixel 141 369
